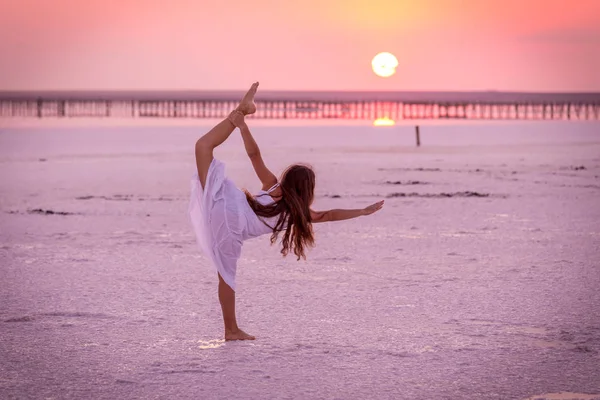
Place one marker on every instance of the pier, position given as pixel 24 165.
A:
pixel 305 105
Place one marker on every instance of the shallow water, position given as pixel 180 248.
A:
pixel 478 279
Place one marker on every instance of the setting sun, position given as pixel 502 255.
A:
pixel 384 64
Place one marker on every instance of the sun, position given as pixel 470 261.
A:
pixel 384 64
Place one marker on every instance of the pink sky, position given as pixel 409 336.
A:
pixel 523 45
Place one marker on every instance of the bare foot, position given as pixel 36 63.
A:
pixel 238 335
pixel 247 105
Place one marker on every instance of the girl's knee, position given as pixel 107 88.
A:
pixel 203 146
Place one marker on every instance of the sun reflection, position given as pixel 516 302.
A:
pixel 210 344
pixel 385 121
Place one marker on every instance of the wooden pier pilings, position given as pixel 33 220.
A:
pixel 306 105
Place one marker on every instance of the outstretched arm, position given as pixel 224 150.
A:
pixel 342 214
pixel 266 177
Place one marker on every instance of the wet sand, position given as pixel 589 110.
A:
pixel 478 279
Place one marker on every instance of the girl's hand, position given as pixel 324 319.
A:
pixel 237 119
pixel 373 208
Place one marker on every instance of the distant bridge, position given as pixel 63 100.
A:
pixel 305 105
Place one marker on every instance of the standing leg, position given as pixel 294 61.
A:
pixel 227 300
pixel 220 133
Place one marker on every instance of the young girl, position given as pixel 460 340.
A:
pixel 223 216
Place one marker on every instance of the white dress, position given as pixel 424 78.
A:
pixel 222 219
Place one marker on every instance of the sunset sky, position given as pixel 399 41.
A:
pixel 516 45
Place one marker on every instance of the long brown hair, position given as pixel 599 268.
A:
pixel 297 185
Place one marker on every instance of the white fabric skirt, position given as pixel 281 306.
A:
pixel 217 215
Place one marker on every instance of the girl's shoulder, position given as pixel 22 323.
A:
pixel 274 192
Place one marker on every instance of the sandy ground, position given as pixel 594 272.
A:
pixel 479 279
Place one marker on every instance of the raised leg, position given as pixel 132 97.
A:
pixel 227 300
pixel 206 144
pixel 219 133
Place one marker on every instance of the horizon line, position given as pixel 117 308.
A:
pixel 300 95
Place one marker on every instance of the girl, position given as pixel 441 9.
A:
pixel 223 216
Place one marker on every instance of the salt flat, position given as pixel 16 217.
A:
pixel 478 279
